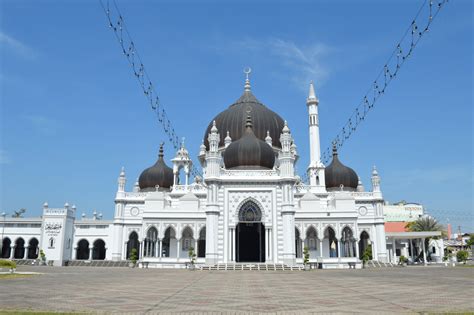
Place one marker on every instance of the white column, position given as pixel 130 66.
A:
pixel 381 243
pixel 75 253
pixel 357 248
pixel 320 248
pixel 178 248
pixel 160 248
pixel 424 250
pixel 212 216
pixel 25 254
pixel 394 251
pixel 12 252
pixel 412 248
pixel 233 244
pixel 90 252
pixel 339 248
pixel 288 236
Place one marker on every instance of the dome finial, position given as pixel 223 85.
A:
pixel 247 72
pixel 248 122
pixel 334 148
pixel 161 152
pixel 312 99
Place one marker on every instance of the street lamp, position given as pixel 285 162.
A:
pixel 3 230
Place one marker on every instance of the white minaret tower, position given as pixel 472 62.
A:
pixel 316 167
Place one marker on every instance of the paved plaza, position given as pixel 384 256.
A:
pixel 124 290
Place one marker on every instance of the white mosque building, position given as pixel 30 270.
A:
pixel 250 206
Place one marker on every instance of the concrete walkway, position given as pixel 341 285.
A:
pixel 124 290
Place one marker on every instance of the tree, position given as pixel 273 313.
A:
pixel 191 255
pixel 305 255
pixel 424 224
pixel 367 255
pixel 462 256
pixel 470 242
pixel 19 213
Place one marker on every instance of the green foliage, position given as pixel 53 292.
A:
pixel 305 255
pixel 402 260
pixel 134 255
pixel 470 242
pixel 7 264
pixel 423 224
pixel 367 254
pixel 192 255
pixel 462 256
pixel 42 255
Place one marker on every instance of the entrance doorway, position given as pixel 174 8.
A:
pixel 250 234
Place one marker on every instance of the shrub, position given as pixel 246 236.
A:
pixel 133 256
pixel 367 254
pixel 462 256
pixel 7 264
pixel 305 255
pixel 192 255
pixel 402 260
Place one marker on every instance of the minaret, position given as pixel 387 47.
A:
pixel 316 167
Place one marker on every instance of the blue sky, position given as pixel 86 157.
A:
pixel 72 113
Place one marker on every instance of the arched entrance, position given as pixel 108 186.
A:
pixel 201 248
pixel 98 251
pixel 133 243
pixel 6 247
pixel 364 244
pixel 19 249
pixel 250 234
pixel 82 250
pixel 33 248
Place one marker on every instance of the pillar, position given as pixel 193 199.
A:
pixel 75 253
pixel 424 250
pixel 289 256
pixel 178 242
pixel 357 248
pixel 90 252
pixel 212 216
pixel 320 248
pixel 12 252
pixel 394 251
pixel 25 254
pixel 232 250
pixel 160 247
pixel 339 248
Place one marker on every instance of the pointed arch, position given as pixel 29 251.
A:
pixel 98 250
pixel 201 243
pixel 150 248
pixel 364 244
pixel 19 248
pixel 33 248
pixel 6 247
pixel 331 241
pixel 82 251
pixel 169 240
pixel 250 211
pixel 133 243
pixel 347 242
pixel 187 239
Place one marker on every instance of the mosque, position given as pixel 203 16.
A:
pixel 249 206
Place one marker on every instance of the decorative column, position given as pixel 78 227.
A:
pixel 160 248
pixel 91 249
pixel 339 249
pixel 357 248
pixel 178 248
pixel 25 254
pixel 424 250
pixel 320 248
pixel 394 251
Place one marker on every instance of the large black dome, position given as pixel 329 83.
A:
pixel 233 120
pixel 337 174
pixel 249 152
pixel 158 174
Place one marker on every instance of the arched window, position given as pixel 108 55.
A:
pixel 168 240
pixel 19 249
pixel 82 250
pixel 133 244
pixel 6 247
pixel 311 238
pixel 201 248
pixel 187 240
pixel 151 242
pixel 298 244
pixel 317 180
pixel 33 248
pixel 250 212
pixel 347 242
pixel 364 244
pixel 330 235
pixel 98 251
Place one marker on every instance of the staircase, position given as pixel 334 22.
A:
pixel 378 264
pixel 249 267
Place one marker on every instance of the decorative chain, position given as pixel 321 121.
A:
pixel 117 24
pixel 403 49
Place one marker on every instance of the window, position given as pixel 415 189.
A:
pixel 51 242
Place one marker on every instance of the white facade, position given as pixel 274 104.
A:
pixel 228 216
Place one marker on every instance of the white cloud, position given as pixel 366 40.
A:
pixel 301 63
pixel 16 46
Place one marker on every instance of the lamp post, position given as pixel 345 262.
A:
pixel 3 230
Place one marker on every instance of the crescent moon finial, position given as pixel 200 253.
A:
pixel 247 71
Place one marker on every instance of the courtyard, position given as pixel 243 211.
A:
pixel 125 290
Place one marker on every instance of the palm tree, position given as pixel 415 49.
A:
pixel 425 223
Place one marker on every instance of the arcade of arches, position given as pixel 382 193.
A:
pixel 85 252
pixel 19 249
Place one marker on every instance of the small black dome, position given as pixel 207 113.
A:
pixel 159 174
pixel 233 120
pixel 249 152
pixel 337 174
